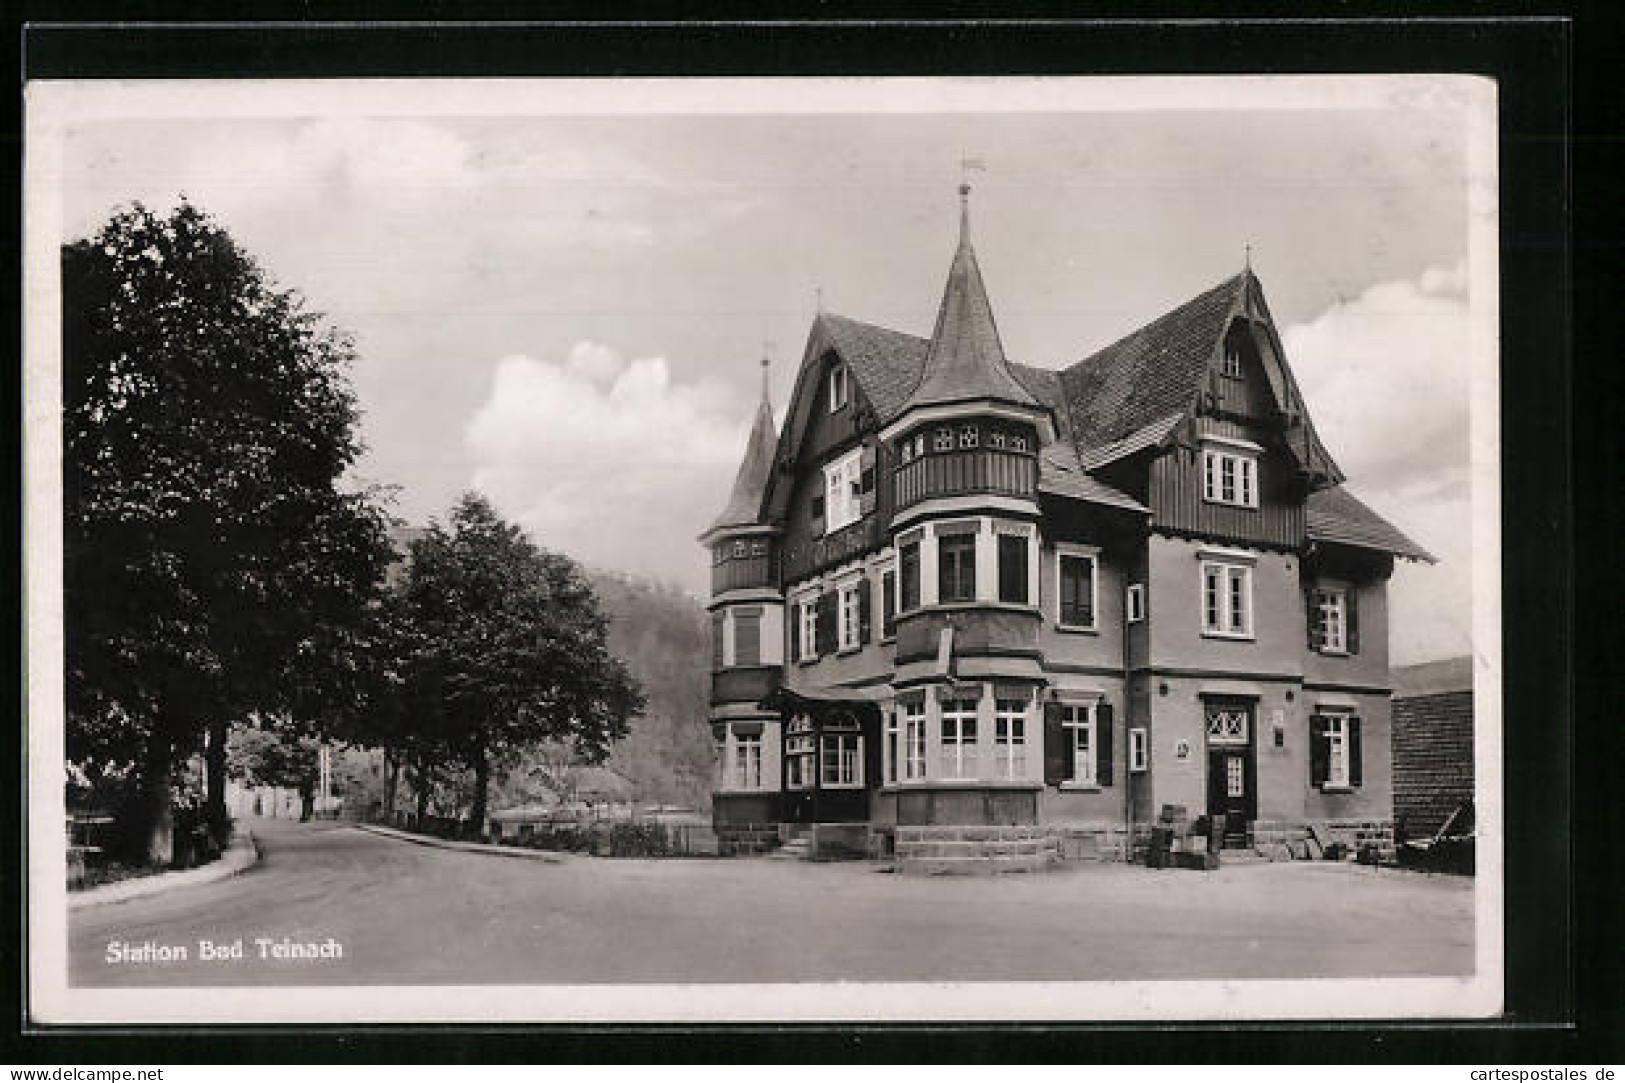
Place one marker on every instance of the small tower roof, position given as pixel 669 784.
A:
pixel 966 359
pixel 745 502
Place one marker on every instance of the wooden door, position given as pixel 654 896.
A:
pixel 1232 799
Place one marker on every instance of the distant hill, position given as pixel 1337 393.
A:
pixel 663 635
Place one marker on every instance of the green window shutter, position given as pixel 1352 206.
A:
pixel 1057 747
pixel 1317 639
pixel 866 607
pixel 1320 751
pixel 1356 772
pixel 1103 741
pixel 1351 634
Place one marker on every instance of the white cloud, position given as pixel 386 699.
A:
pixel 1387 377
pixel 608 460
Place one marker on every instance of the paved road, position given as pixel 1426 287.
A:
pixel 407 914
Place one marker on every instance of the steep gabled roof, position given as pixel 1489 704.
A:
pixel 966 360
pixel 1336 515
pixel 1061 474
pixel 745 502
pixel 1149 374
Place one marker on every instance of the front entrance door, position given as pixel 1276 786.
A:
pixel 1232 802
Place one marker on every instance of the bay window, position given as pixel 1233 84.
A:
pixel 808 624
pixel 908 571
pixel 914 740
pixel 747 765
pixel 958 740
pixel 956 563
pixel 1013 566
pixel 1010 739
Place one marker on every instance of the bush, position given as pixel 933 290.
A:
pixel 638 840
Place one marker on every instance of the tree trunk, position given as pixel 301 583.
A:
pixel 214 808
pixel 392 778
pixel 152 834
pixel 482 783
pixel 422 781
pixel 307 800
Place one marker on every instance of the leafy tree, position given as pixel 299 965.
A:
pixel 212 565
pixel 275 753
pixel 510 647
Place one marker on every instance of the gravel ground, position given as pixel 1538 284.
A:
pixel 406 914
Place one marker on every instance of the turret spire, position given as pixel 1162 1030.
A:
pixel 745 502
pixel 966 359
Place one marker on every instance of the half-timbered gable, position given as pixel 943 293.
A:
pixel 1050 598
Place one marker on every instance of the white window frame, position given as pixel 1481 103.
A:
pixel 1139 749
pixel 807 625
pixel 746 765
pixel 848 774
pixel 1078 720
pixel 839 391
pixel 891 745
pixel 1337 748
pixel 914 741
pixel 1067 551
pixel 1332 615
pixel 800 755
pixel 1134 602
pixel 1230 364
pixel 849 614
pixel 842 479
pixel 942 439
pixel 958 756
pixel 1010 739
pixel 1228 573
pixel 1240 488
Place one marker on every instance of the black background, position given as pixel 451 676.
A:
pixel 1559 92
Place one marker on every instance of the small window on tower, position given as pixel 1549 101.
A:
pixel 968 436
pixel 943 441
pixel 996 439
pixel 1018 443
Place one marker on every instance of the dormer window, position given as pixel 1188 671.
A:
pixel 1230 364
pixel 837 387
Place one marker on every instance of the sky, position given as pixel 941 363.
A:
pixel 566 310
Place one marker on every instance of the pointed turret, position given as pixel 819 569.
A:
pixel 966 360
pixel 745 502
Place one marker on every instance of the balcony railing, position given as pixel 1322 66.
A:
pixel 813 556
pixel 739 573
pixel 956 473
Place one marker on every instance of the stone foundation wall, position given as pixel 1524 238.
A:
pixel 1356 835
pixel 1100 841
pixel 974 851
pixel 735 840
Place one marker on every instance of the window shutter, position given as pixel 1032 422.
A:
pixel 817 524
pixel 1356 773
pixel 1351 617
pixel 866 480
pixel 866 608
pixel 1103 741
pixel 1320 751
pixel 825 636
pixel 1057 749
pixel 1317 639
pixel 873 734
pixel 888 607
pixel 716 640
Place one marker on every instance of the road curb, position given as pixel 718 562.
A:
pixel 240 856
pixel 468 847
